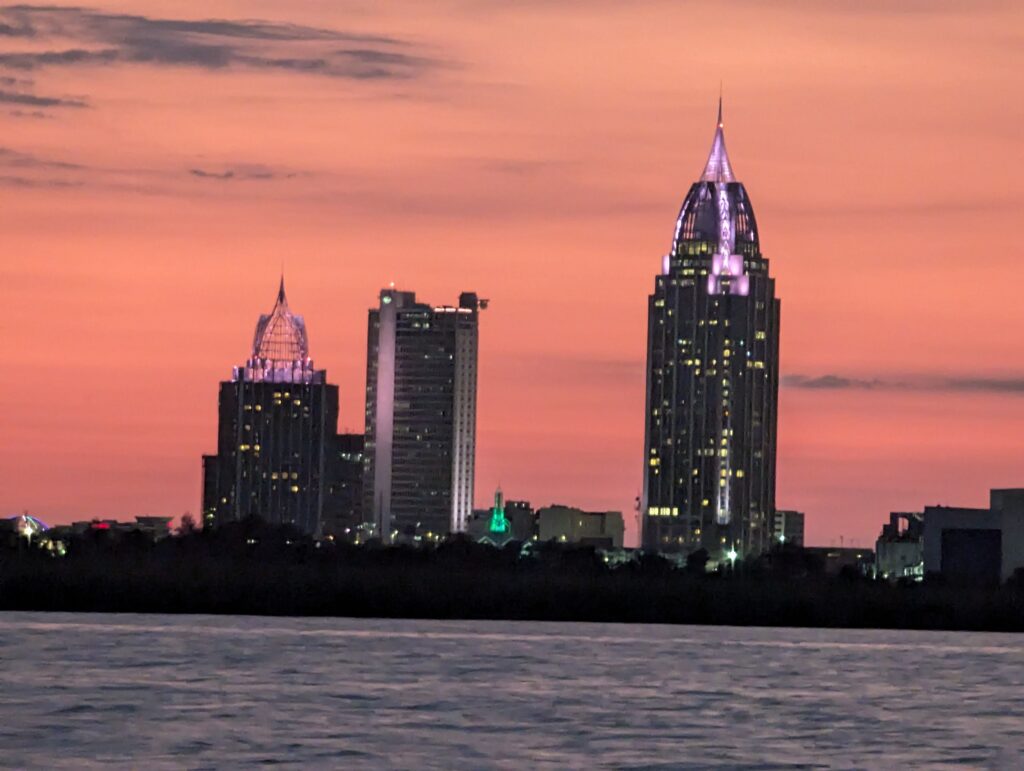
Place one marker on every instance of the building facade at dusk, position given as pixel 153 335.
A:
pixel 421 375
pixel 788 527
pixel 277 433
pixel 712 377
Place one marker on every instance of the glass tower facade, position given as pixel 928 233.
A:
pixel 712 377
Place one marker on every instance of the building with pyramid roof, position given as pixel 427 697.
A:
pixel 279 456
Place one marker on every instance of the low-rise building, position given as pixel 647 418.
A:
pixel 835 558
pixel 154 527
pixel 976 545
pixel 520 516
pixel 899 550
pixel 565 524
pixel 788 527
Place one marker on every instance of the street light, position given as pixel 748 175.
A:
pixel 732 555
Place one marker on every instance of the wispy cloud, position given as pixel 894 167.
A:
pixel 25 169
pixel 36 114
pixel 829 382
pixel 565 369
pixel 16 159
pixel 953 384
pixel 81 37
pixel 15 180
pixel 243 172
pixel 32 100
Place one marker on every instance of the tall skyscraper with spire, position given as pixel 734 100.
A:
pixel 279 457
pixel 712 377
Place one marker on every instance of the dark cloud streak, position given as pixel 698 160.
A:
pixel 14 180
pixel 32 100
pixel 242 173
pixel 948 384
pixel 14 159
pixel 98 38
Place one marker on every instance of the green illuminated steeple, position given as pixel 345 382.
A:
pixel 499 523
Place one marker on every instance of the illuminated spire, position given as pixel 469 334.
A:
pixel 281 335
pixel 718 168
pixel 499 523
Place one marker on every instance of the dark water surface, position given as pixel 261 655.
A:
pixel 148 692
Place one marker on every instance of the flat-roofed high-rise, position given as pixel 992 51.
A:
pixel 420 416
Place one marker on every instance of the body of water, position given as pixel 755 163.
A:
pixel 150 692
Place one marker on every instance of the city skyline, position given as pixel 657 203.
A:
pixel 139 239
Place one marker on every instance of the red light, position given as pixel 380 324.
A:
pixel 100 525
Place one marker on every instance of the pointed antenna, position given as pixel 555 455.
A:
pixel 280 291
pixel 718 168
pixel 719 104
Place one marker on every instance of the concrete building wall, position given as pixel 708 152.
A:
pixel 1011 505
pixel 946 525
pixel 940 518
pixel 571 525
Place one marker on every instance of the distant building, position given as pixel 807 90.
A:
pixel 343 495
pixel 421 376
pixel 519 514
pixel 984 546
pixel 899 550
pixel 835 558
pixel 712 377
pixel 565 524
pixel 154 528
pixel 498 530
pixel 788 527
pixel 277 433
pixel 21 529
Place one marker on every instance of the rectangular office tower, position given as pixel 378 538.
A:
pixel 712 378
pixel 279 456
pixel 420 416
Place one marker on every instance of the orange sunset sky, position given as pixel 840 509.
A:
pixel 161 161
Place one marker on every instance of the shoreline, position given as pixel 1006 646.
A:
pixel 258 570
